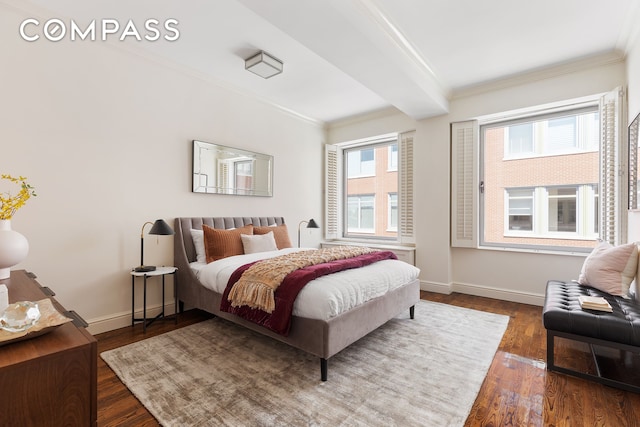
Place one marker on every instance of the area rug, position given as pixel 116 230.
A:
pixel 421 372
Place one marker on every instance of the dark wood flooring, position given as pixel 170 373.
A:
pixel 518 391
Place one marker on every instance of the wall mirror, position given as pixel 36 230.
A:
pixel 225 170
pixel 633 163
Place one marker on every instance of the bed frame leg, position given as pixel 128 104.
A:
pixel 323 369
pixel 181 306
pixel 412 311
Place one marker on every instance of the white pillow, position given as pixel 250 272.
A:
pixel 610 268
pixel 198 242
pixel 258 243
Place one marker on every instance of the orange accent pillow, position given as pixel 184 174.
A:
pixel 220 243
pixel 280 233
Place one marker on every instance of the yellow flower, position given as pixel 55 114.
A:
pixel 10 204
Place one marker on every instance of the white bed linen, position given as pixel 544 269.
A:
pixel 326 296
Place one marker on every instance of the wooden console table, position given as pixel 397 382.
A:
pixel 48 380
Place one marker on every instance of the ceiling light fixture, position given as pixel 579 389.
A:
pixel 263 65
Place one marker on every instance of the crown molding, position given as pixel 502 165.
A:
pixel 607 58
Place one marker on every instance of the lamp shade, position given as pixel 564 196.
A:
pixel 160 227
pixel 312 224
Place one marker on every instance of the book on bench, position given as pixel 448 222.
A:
pixel 594 303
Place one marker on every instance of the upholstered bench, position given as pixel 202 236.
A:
pixel 563 317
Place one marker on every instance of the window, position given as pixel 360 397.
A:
pixel 393 157
pixel 369 189
pixel 392 215
pixel 361 162
pixel 551 213
pixel 561 134
pixel 361 214
pixel 564 133
pixel 520 215
pixel 542 186
pixel 366 187
pixel 547 180
pixel 562 209
pixel 520 139
pixel 243 175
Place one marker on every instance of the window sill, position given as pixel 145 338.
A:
pixel 403 252
pixel 573 252
pixel 370 243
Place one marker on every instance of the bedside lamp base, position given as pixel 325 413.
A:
pixel 144 268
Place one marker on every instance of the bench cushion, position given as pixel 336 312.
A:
pixel 562 312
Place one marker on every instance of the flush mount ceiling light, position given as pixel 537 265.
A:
pixel 263 65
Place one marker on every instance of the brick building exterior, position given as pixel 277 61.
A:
pixel 384 185
pixel 502 173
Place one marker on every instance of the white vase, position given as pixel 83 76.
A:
pixel 14 248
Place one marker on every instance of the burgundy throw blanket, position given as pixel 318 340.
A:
pixel 279 320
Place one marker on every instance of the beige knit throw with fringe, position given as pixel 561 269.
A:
pixel 257 285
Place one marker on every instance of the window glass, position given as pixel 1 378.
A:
pixel 521 139
pixel 547 197
pixel 361 162
pixel 562 133
pixel 521 210
pixel 370 210
pixel 393 211
pixel 244 175
pixel 393 157
pixel 361 213
pixel 562 209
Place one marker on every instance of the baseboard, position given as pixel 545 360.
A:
pixel 501 294
pixel 484 291
pixel 123 319
pixel 441 288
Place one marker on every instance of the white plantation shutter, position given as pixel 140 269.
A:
pixel 634 129
pixel 613 168
pixel 223 176
pixel 332 193
pixel 464 184
pixel 406 194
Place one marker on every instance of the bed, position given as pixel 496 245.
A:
pixel 319 335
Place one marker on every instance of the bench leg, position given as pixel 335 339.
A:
pixel 591 342
pixel 550 351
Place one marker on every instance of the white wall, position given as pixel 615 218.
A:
pixel 633 78
pixel 105 137
pixel 512 276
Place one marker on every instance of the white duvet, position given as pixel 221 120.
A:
pixel 326 296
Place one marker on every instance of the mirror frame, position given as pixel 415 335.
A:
pixel 261 185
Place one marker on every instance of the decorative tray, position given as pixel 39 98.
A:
pixel 49 318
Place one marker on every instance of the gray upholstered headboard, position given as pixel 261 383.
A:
pixel 183 244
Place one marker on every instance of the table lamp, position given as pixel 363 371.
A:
pixel 310 224
pixel 161 228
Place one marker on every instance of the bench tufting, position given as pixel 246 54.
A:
pixel 563 317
